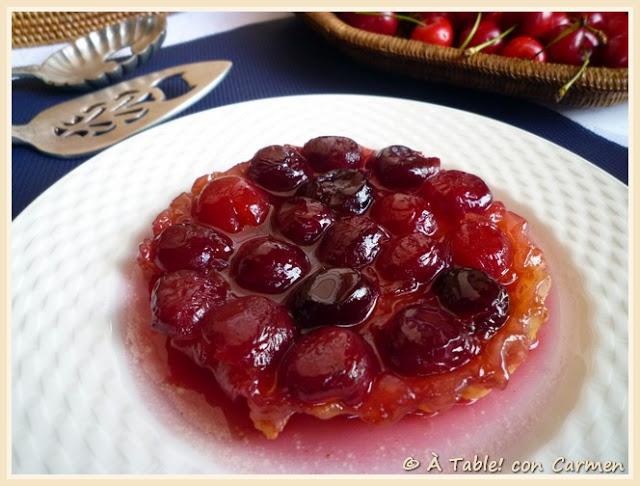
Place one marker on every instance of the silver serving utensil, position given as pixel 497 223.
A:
pixel 101 57
pixel 97 120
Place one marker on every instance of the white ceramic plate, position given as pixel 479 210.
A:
pixel 82 403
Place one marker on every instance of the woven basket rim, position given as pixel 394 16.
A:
pixel 594 78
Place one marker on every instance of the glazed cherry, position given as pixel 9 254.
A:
pixel 344 190
pixel 189 246
pixel 573 48
pixel 380 23
pixel 303 220
pixel 424 339
pixel 181 300
pixel 338 296
pixel 399 167
pixel 250 331
pixel 474 297
pixel 480 244
pixel 525 47
pixel 351 242
pixel 541 25
pixel 454 193
pixel 328 153
pixel 404 213
pixel 414 257
pixel 487 30
pixel 278 168
pixel 229 203
pixel 436 30
pixel 268 265
pixel 330 364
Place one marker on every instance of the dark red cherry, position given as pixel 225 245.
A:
pixel 330 364
pixel 303 220
pixel 437 31
pixel 615 24
pixel 425 339
pixel 573 48
pixel 474 297
pixel 453 193
pixel 524 47
pixel 328 153
pixel 415 257
pixel 404 213
pixel 344 190
pixel 250 331
pixel 376 22
pixel 336 296
pixel 541 25
pixel 480 244
pixel 399 167
pixel 229 203
pixel 189 246
pixel 351 242
pixel 278 168
pixel 180 301
pixel 615 53
pixel 268 265
pixel 487 30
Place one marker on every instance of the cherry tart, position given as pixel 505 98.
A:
pixel 331 279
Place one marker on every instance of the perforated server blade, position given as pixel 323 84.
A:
pixel 97 120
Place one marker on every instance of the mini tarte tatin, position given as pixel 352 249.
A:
pixel 332 279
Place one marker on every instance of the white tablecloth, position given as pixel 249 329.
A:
pixel 611 122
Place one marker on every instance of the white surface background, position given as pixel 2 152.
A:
pixel 610 122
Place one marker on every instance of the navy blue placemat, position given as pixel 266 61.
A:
pixel 283 57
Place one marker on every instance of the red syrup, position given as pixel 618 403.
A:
pixel 506 423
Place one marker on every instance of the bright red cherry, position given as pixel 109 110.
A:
pixel 574 48
pixel 330 364
pixel 487 30
pixel 399 167
pixel 336 296
pixel 404 213
pixel 541 24
pixel 414 257
pixel 437 31
pixel 424 339
pixel 378 22
pixel 180 301
pixel 278 168
pixel 474 297
pixel 229 203
pixel 480 244
pixel 189 246
pixel 250 331
pixel 351 242
pixel 328 153
pixel 303 220
pixel 268 265
pixel 524 47
pixel 453 193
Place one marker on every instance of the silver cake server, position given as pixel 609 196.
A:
pixel 101 57
pixel 97 120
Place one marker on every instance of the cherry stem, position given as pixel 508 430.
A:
pixel 472 32
pixel 565 87
pixel 406 18
pixel 599 33
pixel 475 49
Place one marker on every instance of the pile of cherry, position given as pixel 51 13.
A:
pixel 578 38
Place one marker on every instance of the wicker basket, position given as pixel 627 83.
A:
pixel 539 81
pixel 38 28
